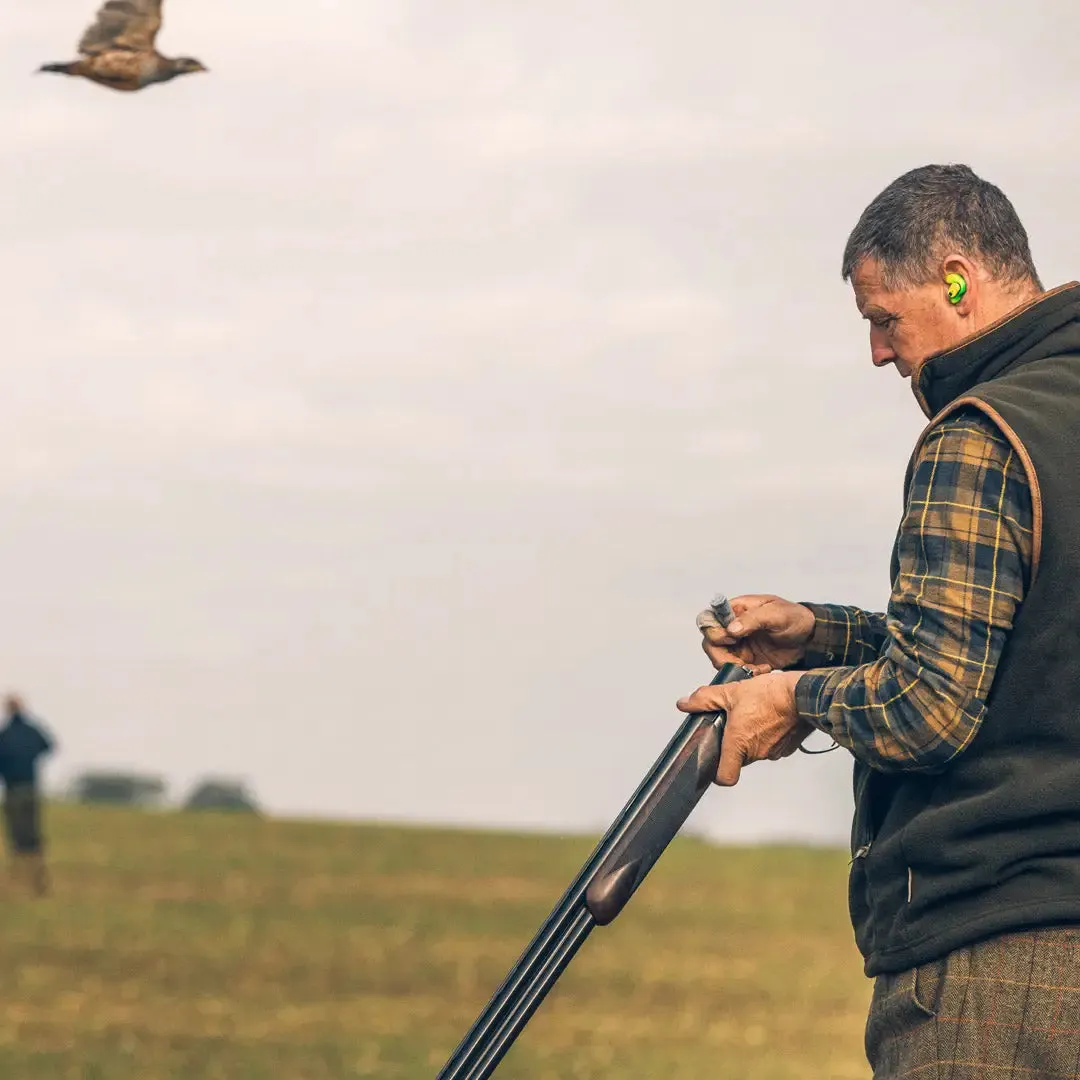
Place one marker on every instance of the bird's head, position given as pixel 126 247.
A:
pixel 186 65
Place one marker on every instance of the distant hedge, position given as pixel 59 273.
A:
pixel 221 795
pixel 118 788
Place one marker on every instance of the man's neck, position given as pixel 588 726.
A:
pixel 1000 301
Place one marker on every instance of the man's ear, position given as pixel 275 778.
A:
pixel 959 284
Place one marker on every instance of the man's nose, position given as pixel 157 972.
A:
pixel 881 353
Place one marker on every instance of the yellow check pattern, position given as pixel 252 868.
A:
pixel 907 689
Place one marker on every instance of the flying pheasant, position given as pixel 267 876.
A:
pixel 118 51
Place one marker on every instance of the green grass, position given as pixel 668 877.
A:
pixel 212 947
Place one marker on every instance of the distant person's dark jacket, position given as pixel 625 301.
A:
pixel 22 743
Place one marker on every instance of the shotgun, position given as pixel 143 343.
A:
pixel 619 863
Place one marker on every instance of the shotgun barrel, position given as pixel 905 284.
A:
pixel 611 875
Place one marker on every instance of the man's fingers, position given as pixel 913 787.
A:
pixel 719 656
pixel 732 759
pixel 748 618
pixel 717 635
pixel 709 625
pixel 704 699
pixel 752 620
pixel 707 699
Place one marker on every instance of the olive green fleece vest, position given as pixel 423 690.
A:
pixel 992 844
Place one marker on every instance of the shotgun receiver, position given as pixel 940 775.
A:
pixel 604 885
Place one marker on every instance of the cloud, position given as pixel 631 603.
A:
pixel 382 406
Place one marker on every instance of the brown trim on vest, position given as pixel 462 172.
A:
pixel 924 405
pixel 996 325
pixel 1022 453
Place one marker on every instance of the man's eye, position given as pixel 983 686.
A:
pixel 886 323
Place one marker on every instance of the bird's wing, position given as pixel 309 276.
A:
pixel 123 24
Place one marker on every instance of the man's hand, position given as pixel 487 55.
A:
pixel 767 632
pixel 762 720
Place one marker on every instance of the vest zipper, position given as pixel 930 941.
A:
pixel 864 830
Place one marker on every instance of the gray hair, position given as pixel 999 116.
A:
pixel 930 210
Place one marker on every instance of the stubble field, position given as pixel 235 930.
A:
pixel 214 947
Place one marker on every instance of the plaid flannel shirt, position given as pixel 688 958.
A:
pixel 907 689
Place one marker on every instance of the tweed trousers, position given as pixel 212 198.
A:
pixel 1005 1007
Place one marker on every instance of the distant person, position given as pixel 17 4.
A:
pixel 22 744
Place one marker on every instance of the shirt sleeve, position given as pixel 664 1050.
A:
pixel 964 551
pixel 842 635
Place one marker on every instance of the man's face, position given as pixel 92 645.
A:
pixel 906 325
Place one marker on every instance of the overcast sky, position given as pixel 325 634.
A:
pixel 381 407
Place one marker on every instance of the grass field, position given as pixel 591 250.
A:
pixel 184 946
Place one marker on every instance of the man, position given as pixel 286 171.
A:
pixel 22 744
pixel 961 703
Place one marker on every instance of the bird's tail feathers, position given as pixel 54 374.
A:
pixel 61 69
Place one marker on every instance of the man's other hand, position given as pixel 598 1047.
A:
pixel 767 632
pixel 762 720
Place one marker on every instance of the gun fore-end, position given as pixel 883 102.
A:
pixel 656 824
